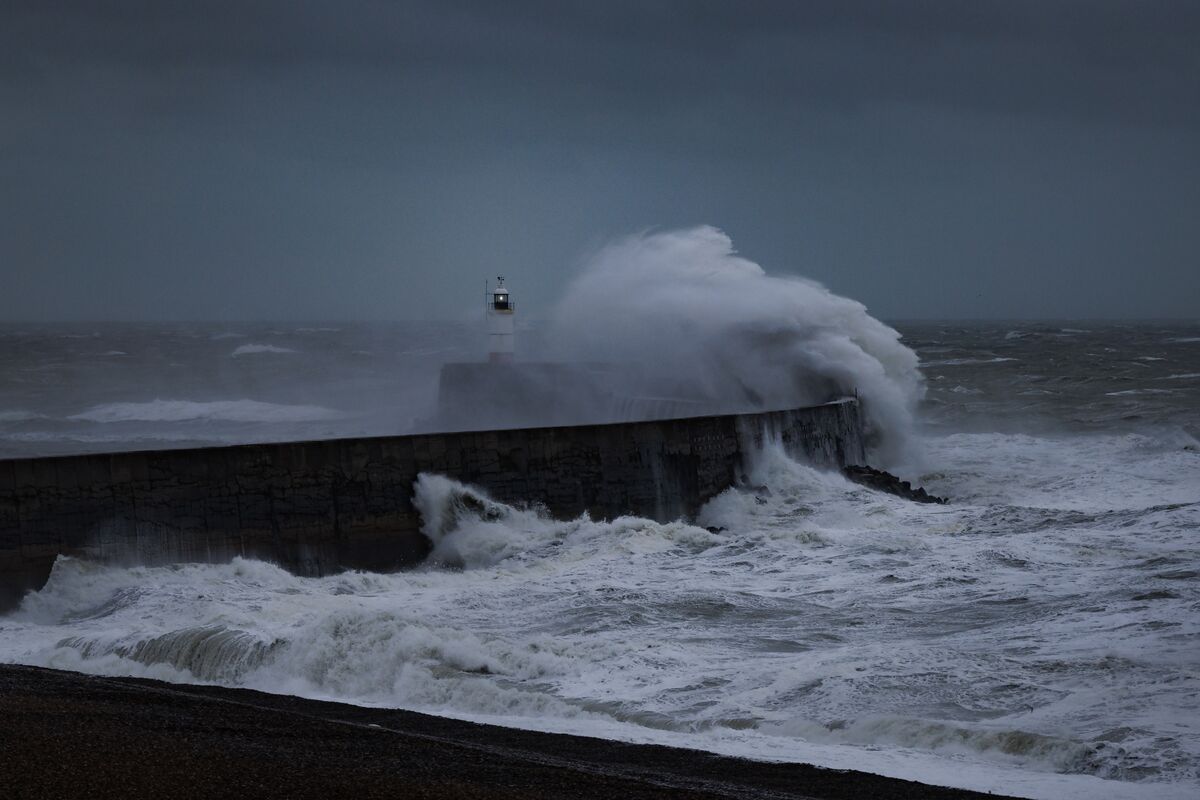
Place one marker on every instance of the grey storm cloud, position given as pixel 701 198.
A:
pixel 316 159
pixel 1135 61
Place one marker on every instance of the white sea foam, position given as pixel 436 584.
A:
pixel 692 312
pixel 18 415
pixel 1135 392
pixel 215 410
pixel 998 643
pixel 961 362
pixel 1094 473
pixel 1037 636
pixel 259 349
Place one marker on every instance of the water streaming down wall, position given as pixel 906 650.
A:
pixel 319 507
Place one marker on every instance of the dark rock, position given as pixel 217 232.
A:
pixel 882 481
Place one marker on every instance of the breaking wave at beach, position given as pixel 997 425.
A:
pixel 1007 641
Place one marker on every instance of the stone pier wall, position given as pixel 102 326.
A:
pixel 323 506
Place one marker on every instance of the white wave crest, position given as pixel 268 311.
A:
pixel 469 529
pixel 1013 746
pixel 214 410
pixel 19 416
pixel 204 653
pixel 395 658
pixel 257 349
pixel 1134 392
pixel 962 362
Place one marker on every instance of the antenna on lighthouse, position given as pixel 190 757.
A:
pixel 500 323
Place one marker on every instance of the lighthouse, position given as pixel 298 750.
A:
pixel 500 323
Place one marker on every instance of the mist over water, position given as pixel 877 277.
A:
pixel 119 386
pixel 662 324
pixel 1038 636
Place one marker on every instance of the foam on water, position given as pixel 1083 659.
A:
pixel 18 415
pixel 259 349
pixel 959 362
pixel 1037 637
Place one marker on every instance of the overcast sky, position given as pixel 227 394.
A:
pixel 296 159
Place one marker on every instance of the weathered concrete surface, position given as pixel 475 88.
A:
pixel 528 394
pixel 324 506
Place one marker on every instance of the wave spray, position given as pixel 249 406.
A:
pixel 686 308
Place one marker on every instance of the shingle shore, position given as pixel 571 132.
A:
pixel 66 735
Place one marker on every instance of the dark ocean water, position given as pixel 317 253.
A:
pixel 1040 635
pixel 1059 376
pixel 100 387
pixel 88 388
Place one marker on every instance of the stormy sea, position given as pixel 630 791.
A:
pixel 1038 635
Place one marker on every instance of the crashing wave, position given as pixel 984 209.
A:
pixel 683 306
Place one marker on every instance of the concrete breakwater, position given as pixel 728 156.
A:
pixel 319 507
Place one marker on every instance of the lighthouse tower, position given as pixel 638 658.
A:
pixel 500 324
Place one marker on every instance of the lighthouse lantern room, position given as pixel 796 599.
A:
pixel 500 323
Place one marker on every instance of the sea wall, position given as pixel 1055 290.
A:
pixel 324 506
